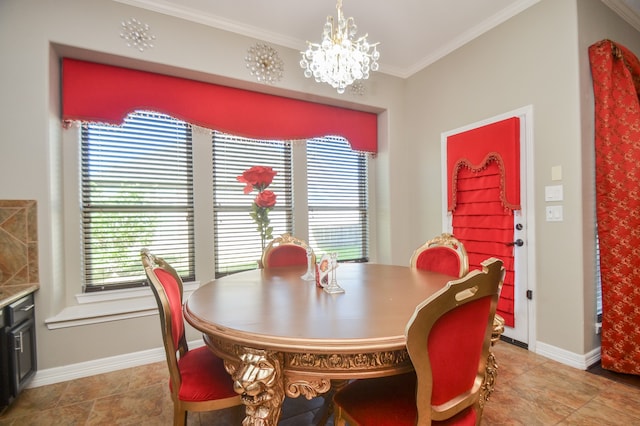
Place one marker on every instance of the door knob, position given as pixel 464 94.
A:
pixel 517 242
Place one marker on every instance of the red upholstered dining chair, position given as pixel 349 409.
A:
pixel 448 340
pixel 444 254
pixel 197 378
pixel 286 250
pixel 447 255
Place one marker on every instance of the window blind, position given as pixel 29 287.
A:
pixel 337 199
pixel 137 191
pixel 237 241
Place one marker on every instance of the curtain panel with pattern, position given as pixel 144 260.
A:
pixel 616 85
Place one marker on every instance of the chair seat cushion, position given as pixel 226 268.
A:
pixel 388 401
pixel 204 377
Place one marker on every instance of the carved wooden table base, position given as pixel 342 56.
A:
pixel 265 377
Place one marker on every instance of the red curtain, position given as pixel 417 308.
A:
pixel 104 93
pixel 616 85
pixel 483 191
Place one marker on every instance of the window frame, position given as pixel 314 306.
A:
pixel 109 152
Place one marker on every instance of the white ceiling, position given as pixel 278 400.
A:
pixel 412 33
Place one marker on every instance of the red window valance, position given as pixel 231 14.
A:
pixel 105 93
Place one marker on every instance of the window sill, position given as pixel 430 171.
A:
pixel 106 306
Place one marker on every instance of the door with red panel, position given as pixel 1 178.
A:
pixel 484 208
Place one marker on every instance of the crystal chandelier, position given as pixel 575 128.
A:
pixel 340 59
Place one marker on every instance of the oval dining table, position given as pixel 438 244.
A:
pixel 281 335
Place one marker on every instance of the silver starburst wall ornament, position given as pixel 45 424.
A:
pixel 137 35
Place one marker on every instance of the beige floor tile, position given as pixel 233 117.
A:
pixel 98 386
pixel 132 407
pixel 596 413
pixel 32 401
pixel 515 406
pixel 146 375
pixel 67 415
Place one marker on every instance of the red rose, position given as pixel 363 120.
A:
pixel 266 199
pixel 257 176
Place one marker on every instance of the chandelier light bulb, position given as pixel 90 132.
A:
pixel 340 58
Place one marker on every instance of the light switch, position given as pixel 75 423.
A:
pixel 553 193
pixel 556 173
pixel 554 213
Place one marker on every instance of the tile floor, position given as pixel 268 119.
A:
pixel 531 390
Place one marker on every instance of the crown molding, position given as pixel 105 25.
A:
pixel 629 10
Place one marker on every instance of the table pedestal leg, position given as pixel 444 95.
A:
pixel 258 378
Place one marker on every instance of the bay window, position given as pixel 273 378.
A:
pixel 137 192
pixel 151 182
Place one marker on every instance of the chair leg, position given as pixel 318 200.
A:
pixel 327 410
pixel 338 420
pixel 179 417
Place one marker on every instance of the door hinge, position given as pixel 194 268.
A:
pixel 530 294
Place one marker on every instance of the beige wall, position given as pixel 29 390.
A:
pixel 532 59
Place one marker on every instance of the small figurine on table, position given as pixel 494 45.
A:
pixel 327 274
pixel 310 275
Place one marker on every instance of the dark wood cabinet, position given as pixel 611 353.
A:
pixel 17 348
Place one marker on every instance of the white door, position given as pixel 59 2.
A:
pixel 520 302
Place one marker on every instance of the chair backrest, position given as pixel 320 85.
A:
pixel 166 285
pixel 448 340
pixel 444 254
pixel 286 250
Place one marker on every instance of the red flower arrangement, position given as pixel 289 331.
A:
pixel 259 178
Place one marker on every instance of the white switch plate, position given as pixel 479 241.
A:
pixel 554 213
pixel 553 193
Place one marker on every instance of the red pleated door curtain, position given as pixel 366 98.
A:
pixel 483 184
pixel 616 86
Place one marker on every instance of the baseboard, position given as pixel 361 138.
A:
pixel 119 362
pixel 64 373
pixel 571 359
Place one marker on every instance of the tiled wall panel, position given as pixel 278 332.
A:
pixel 18 242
